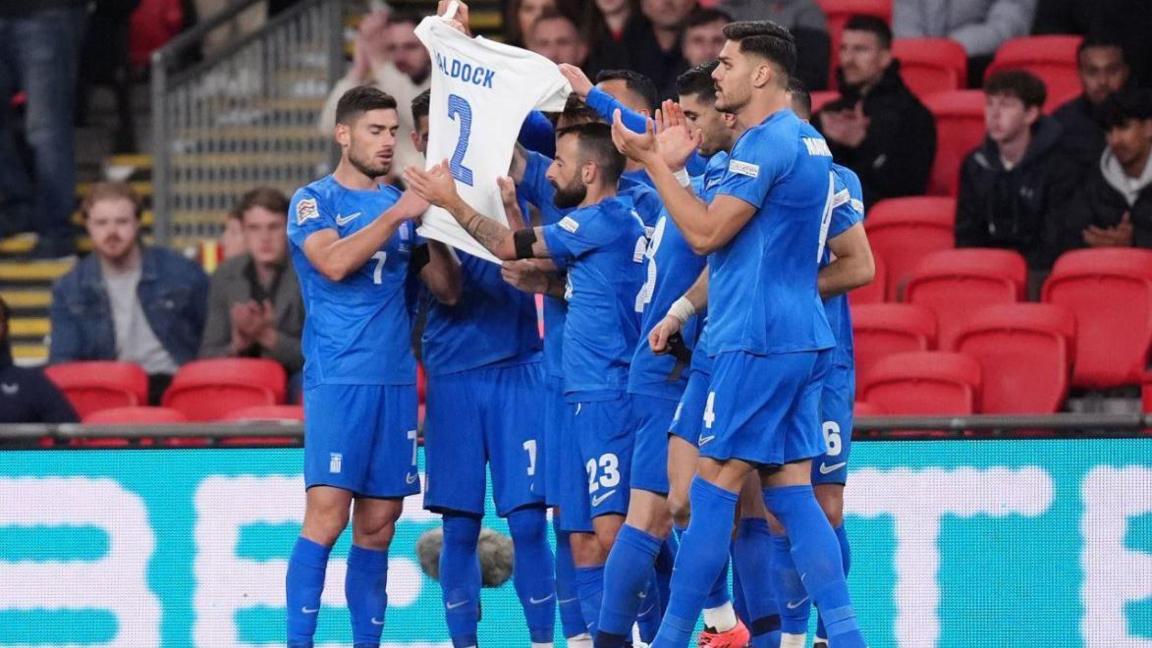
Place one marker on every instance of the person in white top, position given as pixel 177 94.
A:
pixel 387 55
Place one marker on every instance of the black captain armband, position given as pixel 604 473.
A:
pixel 420 258
pixel 524 239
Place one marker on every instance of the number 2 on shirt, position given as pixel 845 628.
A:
pixel 460 110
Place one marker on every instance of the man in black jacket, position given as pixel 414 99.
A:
pixel 1114 207
pixel 1103 71
pixel 1011 187
pixel 26 395
pixel 877 127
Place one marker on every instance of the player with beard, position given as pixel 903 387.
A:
pixel 602 244
pixel 352 244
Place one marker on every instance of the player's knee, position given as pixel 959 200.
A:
pixel 680 508
pixel 323 525
pixel 831 499
pixel 375 531
pixel 586 550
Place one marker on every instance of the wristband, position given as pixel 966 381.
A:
pixel 682 309
pixel 682 177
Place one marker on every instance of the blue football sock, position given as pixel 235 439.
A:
pixel 590 585
pixel 706 542
pixel 751 560
pixel 665 562
pixel 816 554
pixel 792 598
pixel 738 602
pixel 719 595
pixel 365 587
pixel 304 584
pixel 567 598
pixel 460 578
pixel 650 614
pixel 846 557
pixel 627 576
pixel 533 574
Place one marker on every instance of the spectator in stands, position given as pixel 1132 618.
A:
pixel 1127 22
pixel 806 20
pixel 1103 71
pixel 127 301
pixel 610 28
pixel 232 239
pixel 39 44
pixel 979 25
pixel 657 55
pixel 877 127
pixel 248 21
pixel 388 55
pixel 519 15
pixel 254 304
pixel 1013 186
pixel 26 395
pixel 1114 206
pixel 556 37
pixel 703 36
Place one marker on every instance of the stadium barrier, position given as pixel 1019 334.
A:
pixel 956 542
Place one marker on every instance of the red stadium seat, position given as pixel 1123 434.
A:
pixel 272 413
pixel 881 330
pixel 94 386
pixel 421 383
pixel 924 382
pixel 903 230
pixel 873 293
pixel 861 408
pixel 1110 292
pixel 930 65
pixel 959 129
pixel 209 390
pixel 135 416
pixel 838 13
pixel 1147 393
pixel 1052 58
pixel 821 98
pixel 955 284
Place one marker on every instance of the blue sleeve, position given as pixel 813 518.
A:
pixel 756 163
pixel 577 234
pixel 605 105
pixel 696 164
pixel 537 134
pixel 847 207
pixel 307 215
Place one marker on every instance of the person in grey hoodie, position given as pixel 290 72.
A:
pixel 1114 207
pixel 979 25
pixel 1013 184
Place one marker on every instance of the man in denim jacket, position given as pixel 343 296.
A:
pixel 127 301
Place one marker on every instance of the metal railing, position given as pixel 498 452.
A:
pixel 245 116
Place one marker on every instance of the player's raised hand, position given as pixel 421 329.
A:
pixel 462 22
pixel 674 137
pixel 524 275
pixel 640 147
pixel 664 329
pixel 435 185
pixel 512 210
pixel 410 206
pixel 579 81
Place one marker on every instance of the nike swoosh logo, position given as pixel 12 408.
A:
pixel 538 602
pixel 344 220
pixel 571 600
pixel 597 500
pixel 375 622
pixel 305 610
pixel 705 439
pixel 793 606
pixel 410 478
pixel 453 606
pixel 825 469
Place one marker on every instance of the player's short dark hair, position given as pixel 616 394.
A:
pixel 1099 42
pixel 421 105
pixel 1123 106
pixel 801 98
pixel 360 100
pixel 706 15
pixel 1021 84
pixel 269 198
pixel 698 81
pixel 766 39
pixel 403 16
pixel 595 140
pixel 872 24
pixel 635 82
pixel 576 111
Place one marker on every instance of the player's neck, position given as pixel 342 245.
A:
pixel 596 195
pixel 760 108
pixel 349 177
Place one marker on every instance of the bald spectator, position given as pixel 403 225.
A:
pixel 1103 71
pixel 387 55
pixel 556 37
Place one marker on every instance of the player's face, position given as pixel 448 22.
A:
pixel 264 235
pixel 714 127
pixel 112 225
pixel 370 141
pixel 1102 72
pixel 1130 142
pixel 529 11
pixel 733 78
pixel 667 14
pixel 420 135
pixel 232 240
pixel 558 41
pixel 1006 118
pixel 703 43
pixel 618 89
pixel 406 51
pixel 862 58
pixel 566 173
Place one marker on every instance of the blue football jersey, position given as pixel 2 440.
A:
pixel 604 246
pixel 358 331
pixel 847 210
pixel 637 186
pixel 705 186
pixel 491 323
pixel 762 288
